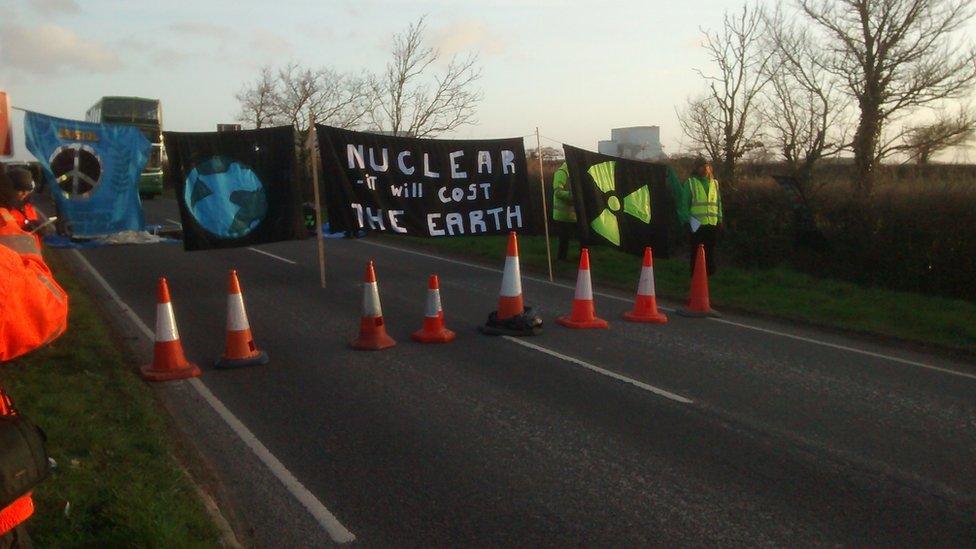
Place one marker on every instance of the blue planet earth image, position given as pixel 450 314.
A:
pixel 226 197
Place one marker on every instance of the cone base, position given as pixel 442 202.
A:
pixel 185 371
pixel 499 331
pixel 372 342
pixel 437 336
pixel 593 323
pixel 258 358
pixel 686 312
pixel 651 318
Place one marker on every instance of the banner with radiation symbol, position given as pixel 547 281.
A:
pixel 626 203
pixel 92 170
pixel 235 188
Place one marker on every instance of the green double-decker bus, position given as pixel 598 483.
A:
pixel 145 114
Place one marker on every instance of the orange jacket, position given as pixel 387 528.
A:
pixel 33 312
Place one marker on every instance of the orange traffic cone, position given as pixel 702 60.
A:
pixel 512 318
pixel 372 331
pixel 433 330
pixel 645 307
pixel 698 305
pixel 510 298
pixel 169 362
pixel 583 314
pixel 240 350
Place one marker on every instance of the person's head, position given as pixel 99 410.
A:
pixel 702 168
pixel 16 186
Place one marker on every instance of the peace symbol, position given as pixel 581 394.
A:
pixel 77 169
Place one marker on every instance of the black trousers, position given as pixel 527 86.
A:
pixel 16 539
pixel 565 231
pixel 707 235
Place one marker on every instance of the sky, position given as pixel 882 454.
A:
pixel 573 68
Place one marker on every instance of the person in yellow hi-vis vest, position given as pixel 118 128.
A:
pixel 563 210
pixel 700 208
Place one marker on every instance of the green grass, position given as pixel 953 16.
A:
pixel 779 292
pixel 105 429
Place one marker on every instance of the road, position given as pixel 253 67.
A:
pixel 736 431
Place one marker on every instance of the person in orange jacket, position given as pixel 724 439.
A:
pixel 33 312
pixel 15 195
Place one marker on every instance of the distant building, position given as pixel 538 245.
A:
pixel 636 142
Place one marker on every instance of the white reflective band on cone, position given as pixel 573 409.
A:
pixel 512 278
pixel 646 284
pixel 371 300
pixel 433 303
pixel 236 315
pixel 165 323
pixel 584 289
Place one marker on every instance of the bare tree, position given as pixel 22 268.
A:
pixel 804 112
pixel 411 100
pixel 740 62
pixel 892 57
pixel 290 94
pixel 923 141
pixel 257 100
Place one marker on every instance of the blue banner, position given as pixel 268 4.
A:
pixel 92 170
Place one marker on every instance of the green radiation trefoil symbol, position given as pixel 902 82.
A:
pixel 636 204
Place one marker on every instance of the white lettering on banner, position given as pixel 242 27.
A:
pixel 432 230
pixel 427 171
pixel 508 162
pixel 394 222
pixel 457 194
pixel 375 220
pixel 477 222
pixel 403 165
pixel 456 172
pixel 355 155
pixel 386 160
pixel 455 223
pixel 484 161
pixel 407 190
pixel 359 214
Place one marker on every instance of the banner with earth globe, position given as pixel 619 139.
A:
pixel 426 187
pixel 92 170
pixel 626 203
pixel 235 188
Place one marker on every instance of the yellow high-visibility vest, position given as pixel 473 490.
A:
pixel 705 202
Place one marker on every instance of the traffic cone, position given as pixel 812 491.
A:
pixel 583 314
pixel 372 331
pixel 698 305
pixel 645 307
pixel 240 350
pixel 512 318
pixel 433 330
pixel 510 298
pixel 169 362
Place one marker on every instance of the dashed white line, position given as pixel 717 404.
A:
pixel 721 320
pixel 278 257
pixel 639 384
pixel 325 518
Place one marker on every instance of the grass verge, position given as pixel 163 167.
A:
pixel 117 482
pixel 779 292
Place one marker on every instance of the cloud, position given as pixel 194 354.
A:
pixel 55 6
pixel 48 49
pixel 467 36
pixel 240 44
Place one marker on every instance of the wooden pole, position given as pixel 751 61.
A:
pixel 310 143
pixel 545 210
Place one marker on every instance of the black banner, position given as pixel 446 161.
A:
pixel 425 187
pixel 235 188
pixel 626 203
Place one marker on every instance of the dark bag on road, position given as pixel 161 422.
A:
pixel 23 459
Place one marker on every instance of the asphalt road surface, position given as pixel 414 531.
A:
pixel 700 432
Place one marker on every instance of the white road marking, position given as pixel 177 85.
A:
pixel 322 515
pixel 641 385
pixel 722 320
pixel 278 257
